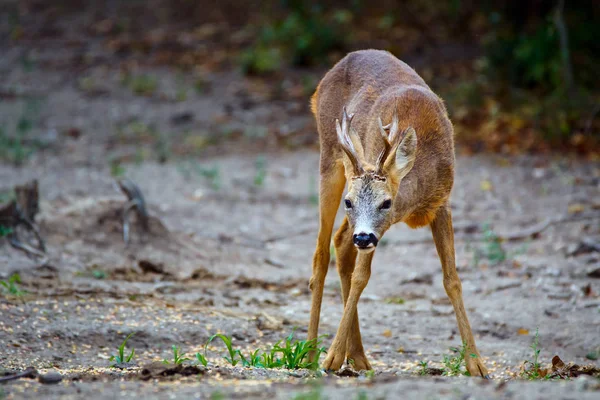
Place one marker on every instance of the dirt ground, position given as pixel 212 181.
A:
pixel 231 172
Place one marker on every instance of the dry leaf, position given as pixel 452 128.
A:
pixel 557 362
pixel 523 331
pixel 486 185
pixel 576 208
pixel 387 333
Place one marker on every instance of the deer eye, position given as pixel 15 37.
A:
pixel 385 205
pixel 348 203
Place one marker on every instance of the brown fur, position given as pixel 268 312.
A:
pixel 374 84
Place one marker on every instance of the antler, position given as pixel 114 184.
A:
pixel 343 132
pixel 390 141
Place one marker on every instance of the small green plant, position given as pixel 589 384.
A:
pixel 492 249
pixel 253 360
pixel 116 169
pixel 121 357
pixel 143 85
pixel 395 300
pixel 98 274
pixel 201 359
pixel 455 364
pixel 233 354
pixel 423 367
pixel 532 368
pixel 11 286
pixel 295 354
pixel 370 374
pixel 16 145
pixel 261 171
pixel 593 355
pixel 270 360
pixel 178 356
pixel 5 230
pixel 212 174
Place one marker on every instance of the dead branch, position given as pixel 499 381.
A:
pixel 136 202
pixel 535 230
pixel 20 212
pixel 561 28
pixel 527 233
pixel 28 373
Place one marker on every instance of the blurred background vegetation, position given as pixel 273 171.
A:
pixel 517 76
pixel 518 70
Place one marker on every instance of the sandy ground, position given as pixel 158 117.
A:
pixel 234 255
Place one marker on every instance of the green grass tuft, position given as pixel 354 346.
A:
pixel 11 286
pixel 454 365
pixel 288 353
pixel 532 368
pixel 178 356
pixel 121 357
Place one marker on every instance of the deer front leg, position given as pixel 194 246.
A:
pixel 443 236
pixel 331 188
pixel 346 258
pixel 360 277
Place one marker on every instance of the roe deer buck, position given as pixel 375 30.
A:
pixel 403 171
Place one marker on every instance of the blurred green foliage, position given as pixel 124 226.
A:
pixel 523 43
pixel 543 56
pixel 304 36
pixel 16 142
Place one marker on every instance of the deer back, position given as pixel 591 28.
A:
pixel 374 84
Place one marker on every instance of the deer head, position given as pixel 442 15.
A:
pixel 372 189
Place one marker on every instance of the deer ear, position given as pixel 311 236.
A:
pixel 406 152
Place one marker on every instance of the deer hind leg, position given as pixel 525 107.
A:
pixel 360 277
pixel 346 259
pixel 443 236
pixel 331 188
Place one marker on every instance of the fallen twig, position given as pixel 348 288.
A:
pixel 535 230
pixel 137 202
pixel 28 373
pixel 21 212
pixel 301 231
pixel 526 233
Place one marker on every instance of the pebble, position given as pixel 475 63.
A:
pixel 584 382
pixel 50 377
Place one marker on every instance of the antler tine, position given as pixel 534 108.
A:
pixel 386 149
pixel 346 142
pixel 394 129
pixel 390 141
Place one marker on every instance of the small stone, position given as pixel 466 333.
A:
pixel 553 272
pixel 50 378
pixel 539 173
pixel 125 365
pixel 584 382
pixel 594 273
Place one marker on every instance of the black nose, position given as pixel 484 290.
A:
pixel 363 240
